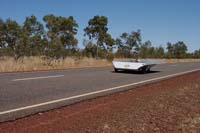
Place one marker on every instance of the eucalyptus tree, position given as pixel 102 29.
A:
pixel 180 49
pixel 129 43
pixel 2 38
pixel 196 54
pixel 159 52
pixel 2 34
pixel 177 50
pixel 12 36
pixel 97 30
pixel 34 30
pixel 145 49
pixel 62 29
pixel 90 48
pixel 170 50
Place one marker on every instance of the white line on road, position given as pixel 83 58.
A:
pixel 93 93
pixel 34 78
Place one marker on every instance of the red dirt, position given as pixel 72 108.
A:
pixel 172 105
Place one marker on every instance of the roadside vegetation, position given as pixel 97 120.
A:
pixel 54 40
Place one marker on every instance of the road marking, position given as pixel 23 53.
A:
pixel 34 78
pixel 174 65
pixel 95 92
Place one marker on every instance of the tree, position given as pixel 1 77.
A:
pixel 145 49
pixel 90 48
pixel 34 30
pixel 159 52
pixel 2 37
pixel 12 33
pixel 177 50
pixel 13 40
pixel 129 43
pixel 180 49
pixel 2 34
pixel 196 54
pixel 63 29
pixel 55 49
pixel 97 29
pixel 22 47
pixel 170 50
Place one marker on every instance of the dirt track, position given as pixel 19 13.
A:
pixel 168 106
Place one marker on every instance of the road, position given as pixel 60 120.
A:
pixel 22 94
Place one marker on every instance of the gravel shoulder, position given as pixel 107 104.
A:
pixel 171 105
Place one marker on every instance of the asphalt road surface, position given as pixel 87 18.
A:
pixel 22 94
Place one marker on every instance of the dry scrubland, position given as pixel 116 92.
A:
pixel 178 60
pixel 8 64
pixel 38 63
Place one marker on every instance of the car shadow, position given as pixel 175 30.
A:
pixel 134 72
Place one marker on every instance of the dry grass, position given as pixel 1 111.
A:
pixel 177 60
pixel 8 64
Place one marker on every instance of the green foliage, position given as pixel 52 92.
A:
pixel 97 29
pixel 63 28
pixel 170 50
pixel 196 54
pixel 55 49
pixel 2 34
pixel 129 44
pixel 90 49
pixel 32 27
pixel 13 32
pixel 13 37
pixel 148 51
pixel 180 49
pixel 61 32
pixel 22 47
pixel 34 30
pixel 177 50
pixel 159 52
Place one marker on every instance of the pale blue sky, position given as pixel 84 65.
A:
pixel 159 20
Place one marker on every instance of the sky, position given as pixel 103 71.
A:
pixel 160 21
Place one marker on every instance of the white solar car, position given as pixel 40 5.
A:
pixel 142 66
